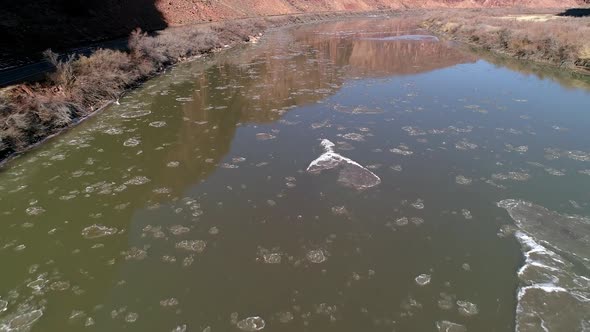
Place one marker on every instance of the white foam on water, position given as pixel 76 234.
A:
pixel 553 295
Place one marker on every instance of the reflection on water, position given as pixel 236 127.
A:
pixel 334 177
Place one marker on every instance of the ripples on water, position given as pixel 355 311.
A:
pixel 338 177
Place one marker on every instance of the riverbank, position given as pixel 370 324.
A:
pixel 81 85
pixel 552 37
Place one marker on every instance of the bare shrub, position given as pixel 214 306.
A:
pixel 102 76
pixel 538 36
pixel 63 76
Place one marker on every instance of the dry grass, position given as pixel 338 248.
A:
pixel 557 40
pixel 81 84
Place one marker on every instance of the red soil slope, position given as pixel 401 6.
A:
pixel 186 11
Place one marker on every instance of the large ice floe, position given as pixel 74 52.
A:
pixel 351 173
pixel 555 286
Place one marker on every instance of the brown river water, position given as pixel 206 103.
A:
pixel 350 176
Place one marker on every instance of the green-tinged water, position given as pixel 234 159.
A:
pixel 333 177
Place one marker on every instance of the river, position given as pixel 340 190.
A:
pixel 347 176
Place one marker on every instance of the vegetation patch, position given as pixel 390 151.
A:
pixel 542 37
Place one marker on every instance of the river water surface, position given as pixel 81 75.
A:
pixel 351 176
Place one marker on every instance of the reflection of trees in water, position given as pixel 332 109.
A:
pixel 365 54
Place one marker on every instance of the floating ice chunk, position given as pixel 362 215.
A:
pixel 179 229
pixel 272 258
pixel 584 171
pixel 554 172
pixel 465 145
pixel 351 173
pixel 3 305
pixel 157 124
pixel 197 246
pixel 354 137
pixel 554 153
pixel 131 317
pixel 402 150
pixel 114 131
pixel 134 253
pixel 173 164
pixel 21 322
pixel 228 166
pixel 137 180
pixel 251 324
pixel 519 149
pixel 423 279
pixel 34 210
pixel 135 114
pixel 515 176
pixel 326 309
pixel 264 136
pixel 467 308
pixel 466 214
pixel 96 231
pixel 460 179
pixel 418 204
pixel 316 256
pixel 183 327
pixel 403 221
pixel 414 131
pixel 184 99
pixel 170 302
pixel 446 326
pixel 131 142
